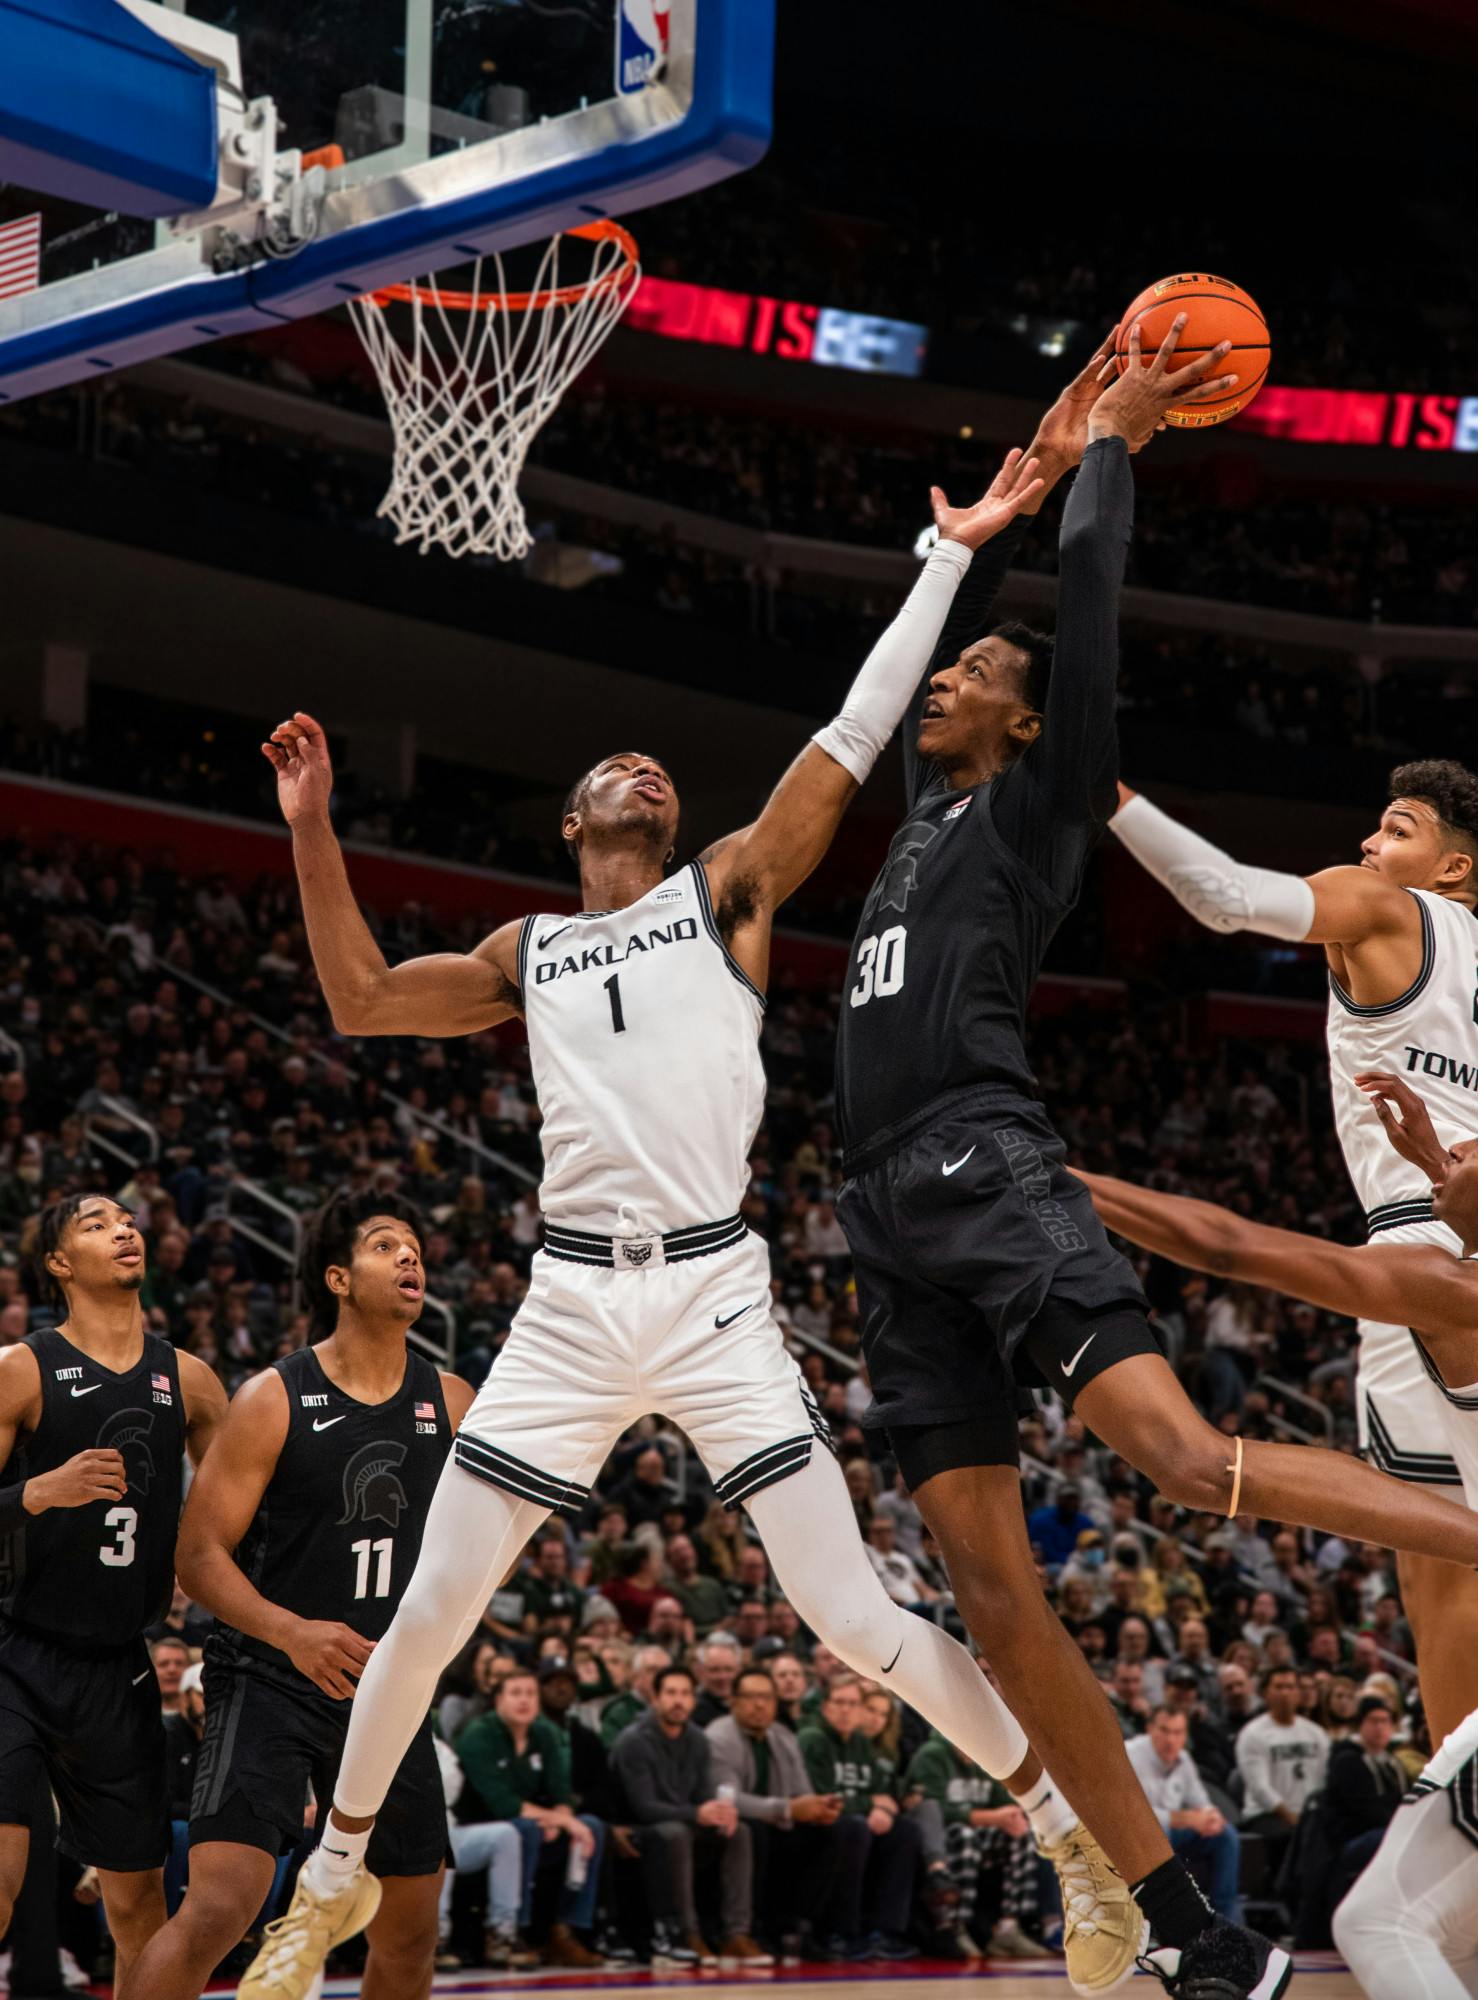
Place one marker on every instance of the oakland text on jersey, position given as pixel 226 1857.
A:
pixel 600 956
pixel 1432 1063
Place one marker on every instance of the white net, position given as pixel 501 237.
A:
pixel 470 378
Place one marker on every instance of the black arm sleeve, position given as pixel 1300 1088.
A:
pixel 1052 805
pixel 969 619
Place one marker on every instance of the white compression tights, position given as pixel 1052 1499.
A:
pixel 475 1531
pixel 1408 1930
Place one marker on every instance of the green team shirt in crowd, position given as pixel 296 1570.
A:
pixel 545 1600
pixel 844 1764
pixel 502 1779
pixel 705 1601
pixel 957 1786
pixel 618 1714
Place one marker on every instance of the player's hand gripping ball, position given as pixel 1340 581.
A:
pixel 1216 310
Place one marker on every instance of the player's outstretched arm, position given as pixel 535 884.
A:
pixel 774 856
pixel 1340 906
pixel 1400 1284
pixel 447 993
pixel 224 1497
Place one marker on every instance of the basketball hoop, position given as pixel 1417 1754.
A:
pixel 472 377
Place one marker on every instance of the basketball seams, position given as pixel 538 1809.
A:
pixel 1137 311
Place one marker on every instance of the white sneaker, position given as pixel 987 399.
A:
pixel 73 1977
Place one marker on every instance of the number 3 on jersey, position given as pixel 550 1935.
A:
pixel 879 966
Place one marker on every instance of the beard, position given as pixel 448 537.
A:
pixel 131 1281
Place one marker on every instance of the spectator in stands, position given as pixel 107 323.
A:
pixel 1193 1653
pixel 1282 1757
pixel 788 1673
pixel 1212 1749
pixel 183 1731
pixel 517 1765
pixel 636 1589
pixel 703 1598
pixel 550 1598
pixel 888 1846
pixel 797 1848
pixel 670 1627
pixel 170 1657
pixel 665 1766
pixel 985 1832
pixel 647 1492
pixel 606 1550
pixel 1239 1702
pixel 897 1572
pixel 908 1523
pixel 1055 1528
pixel 1179 1801
pixel 718 1661
pixel 1364 1787
pixel 1135 1641
pixel 624 1709
pixel 1127 1698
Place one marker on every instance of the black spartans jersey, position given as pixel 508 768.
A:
pixel 98 1575
pixel 339 1527
pixel 976 882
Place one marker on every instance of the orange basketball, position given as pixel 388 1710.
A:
pixel 1217 310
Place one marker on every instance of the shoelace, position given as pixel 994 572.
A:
pixel 1082 1899
pixel 287 1941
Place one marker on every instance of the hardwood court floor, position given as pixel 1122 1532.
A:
pixel 1320 1976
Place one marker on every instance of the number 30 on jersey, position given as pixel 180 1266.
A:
pixel 880 962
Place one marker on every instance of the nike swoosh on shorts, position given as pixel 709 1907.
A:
pixel 722 1323
pixel 953 1166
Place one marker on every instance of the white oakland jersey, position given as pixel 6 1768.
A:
pixel 1429 1037
pixel 644 1038
pixel 1410 1424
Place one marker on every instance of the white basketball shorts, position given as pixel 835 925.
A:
pixel 1410 1423
pixel 593 1350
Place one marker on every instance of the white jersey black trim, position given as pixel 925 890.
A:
pixel 1397 1214
pixel 698 1239
pixel 526 1482
pixel 764 1468
pixel 705 904
pixel 818 1423
pixel 1429 960
pixel 525 939
pixel 1457 1400
pixel 1462 1797
pixel 1426 1468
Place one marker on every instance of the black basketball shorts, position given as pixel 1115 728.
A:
pixel 982 1271
pixel 92 1726
pixel 266 1742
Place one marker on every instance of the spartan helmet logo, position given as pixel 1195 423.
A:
pixel 128 1431
pixel 372 1492
pixel 900 877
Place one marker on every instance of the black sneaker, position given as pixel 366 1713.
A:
pixel 670 1950
pixel 612 1947
pixel 1225 1962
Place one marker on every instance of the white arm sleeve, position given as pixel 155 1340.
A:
pixel 893 669
pixel 1219 892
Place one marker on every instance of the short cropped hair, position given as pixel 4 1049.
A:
pixel 53 1226
pixel 1038 648
pixel 666 1674
pixel 1450 789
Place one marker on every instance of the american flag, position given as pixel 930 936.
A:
pixel 160 1381
pixel 426 1413
pixel 20 256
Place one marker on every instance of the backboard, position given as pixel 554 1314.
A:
pixel 442 129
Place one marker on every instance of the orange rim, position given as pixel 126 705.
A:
pixel 604 231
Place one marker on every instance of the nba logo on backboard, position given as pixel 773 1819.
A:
pixel 641 44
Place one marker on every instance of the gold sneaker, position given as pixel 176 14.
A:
pixel 1104 1929
pixel 294 1947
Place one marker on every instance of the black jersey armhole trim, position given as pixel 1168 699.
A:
pixel 1429 961
pixel 705 904
pixel 525 933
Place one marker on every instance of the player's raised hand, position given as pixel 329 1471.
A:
pixel 331 1655
pixel 298 753
pixel 1134 406
pixel 1407 1121
pixel 1004 498
pixel 92 1475
pixel 1063 432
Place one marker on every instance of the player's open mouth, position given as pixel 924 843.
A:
pixel 932 712
pixel 649 788
pixel 412 1287
pixel 129 1257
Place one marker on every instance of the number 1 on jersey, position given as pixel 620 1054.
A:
pixel 618 1018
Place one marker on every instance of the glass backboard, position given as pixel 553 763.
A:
pixel 444 128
